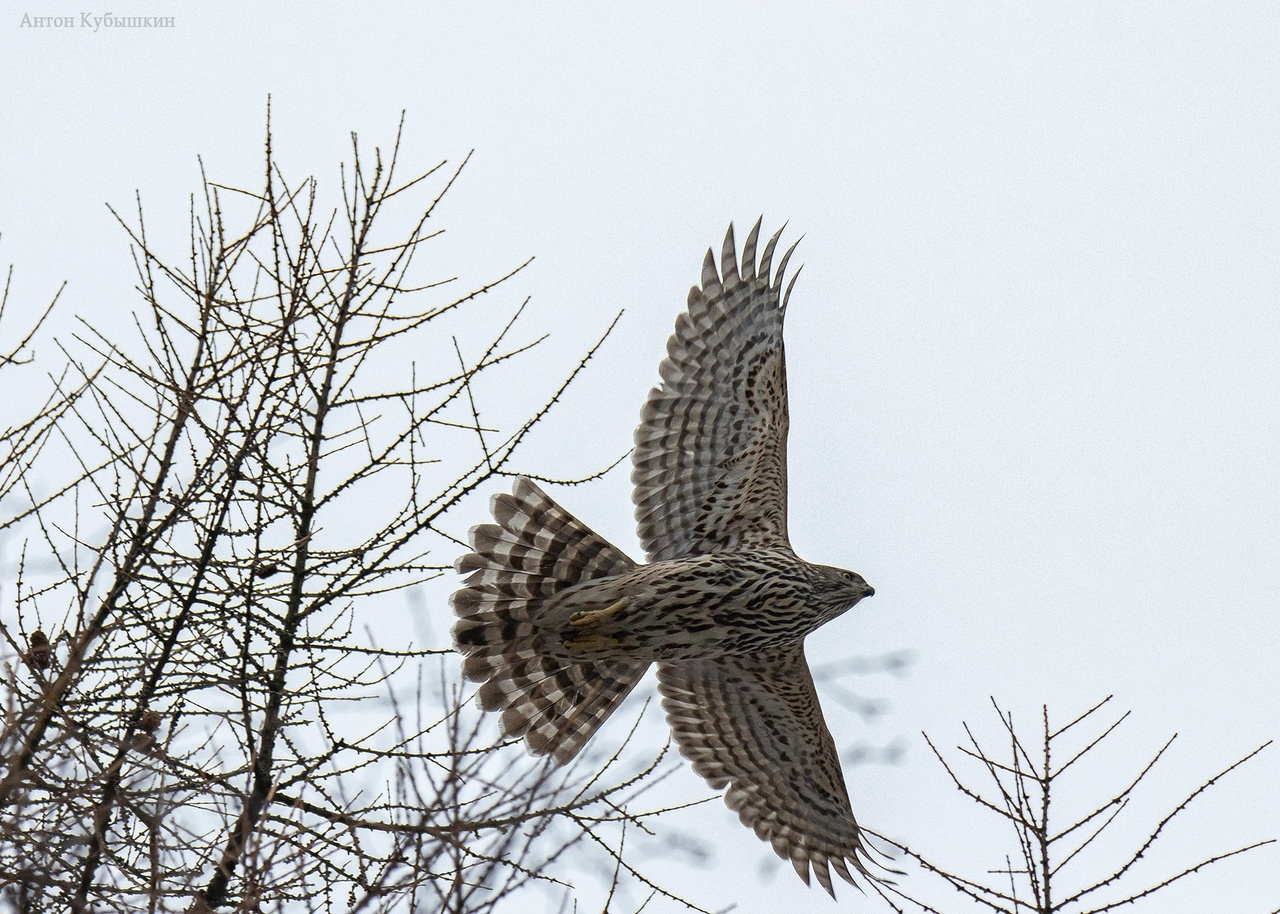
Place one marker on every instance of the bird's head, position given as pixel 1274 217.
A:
pixel 842 586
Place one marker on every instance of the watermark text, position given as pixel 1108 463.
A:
pixel 96 23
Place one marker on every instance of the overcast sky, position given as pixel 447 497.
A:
pixel 1033 355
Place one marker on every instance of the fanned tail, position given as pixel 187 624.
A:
pixel 535 550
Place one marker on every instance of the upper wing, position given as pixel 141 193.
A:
pixel 752 723
pixel 711 451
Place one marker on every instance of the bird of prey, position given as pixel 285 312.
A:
pixel 559 625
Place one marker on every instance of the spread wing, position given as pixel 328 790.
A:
pixel 753 724
pixel 710 460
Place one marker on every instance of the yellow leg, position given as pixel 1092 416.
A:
pixel 590 643
pixel 587 640
pixel 590 618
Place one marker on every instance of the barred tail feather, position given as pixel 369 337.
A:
pixel 535 550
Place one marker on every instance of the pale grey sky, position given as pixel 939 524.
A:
pixel 1033 354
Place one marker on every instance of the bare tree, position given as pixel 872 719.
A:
pixel 198 713
pixel 1025 783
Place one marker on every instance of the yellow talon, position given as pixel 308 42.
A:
pixel 590 618
pixel 583 636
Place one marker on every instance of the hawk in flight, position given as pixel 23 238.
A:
pixel 559 625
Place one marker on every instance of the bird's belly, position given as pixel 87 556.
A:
pixel 675 619
pixel 721 627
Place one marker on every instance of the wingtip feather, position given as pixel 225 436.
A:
pixel 766 259
pixel 710 278
pixel 729 258
pixel 748 265
pixel 782 266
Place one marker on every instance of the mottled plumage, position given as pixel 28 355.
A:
pixel 559 625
